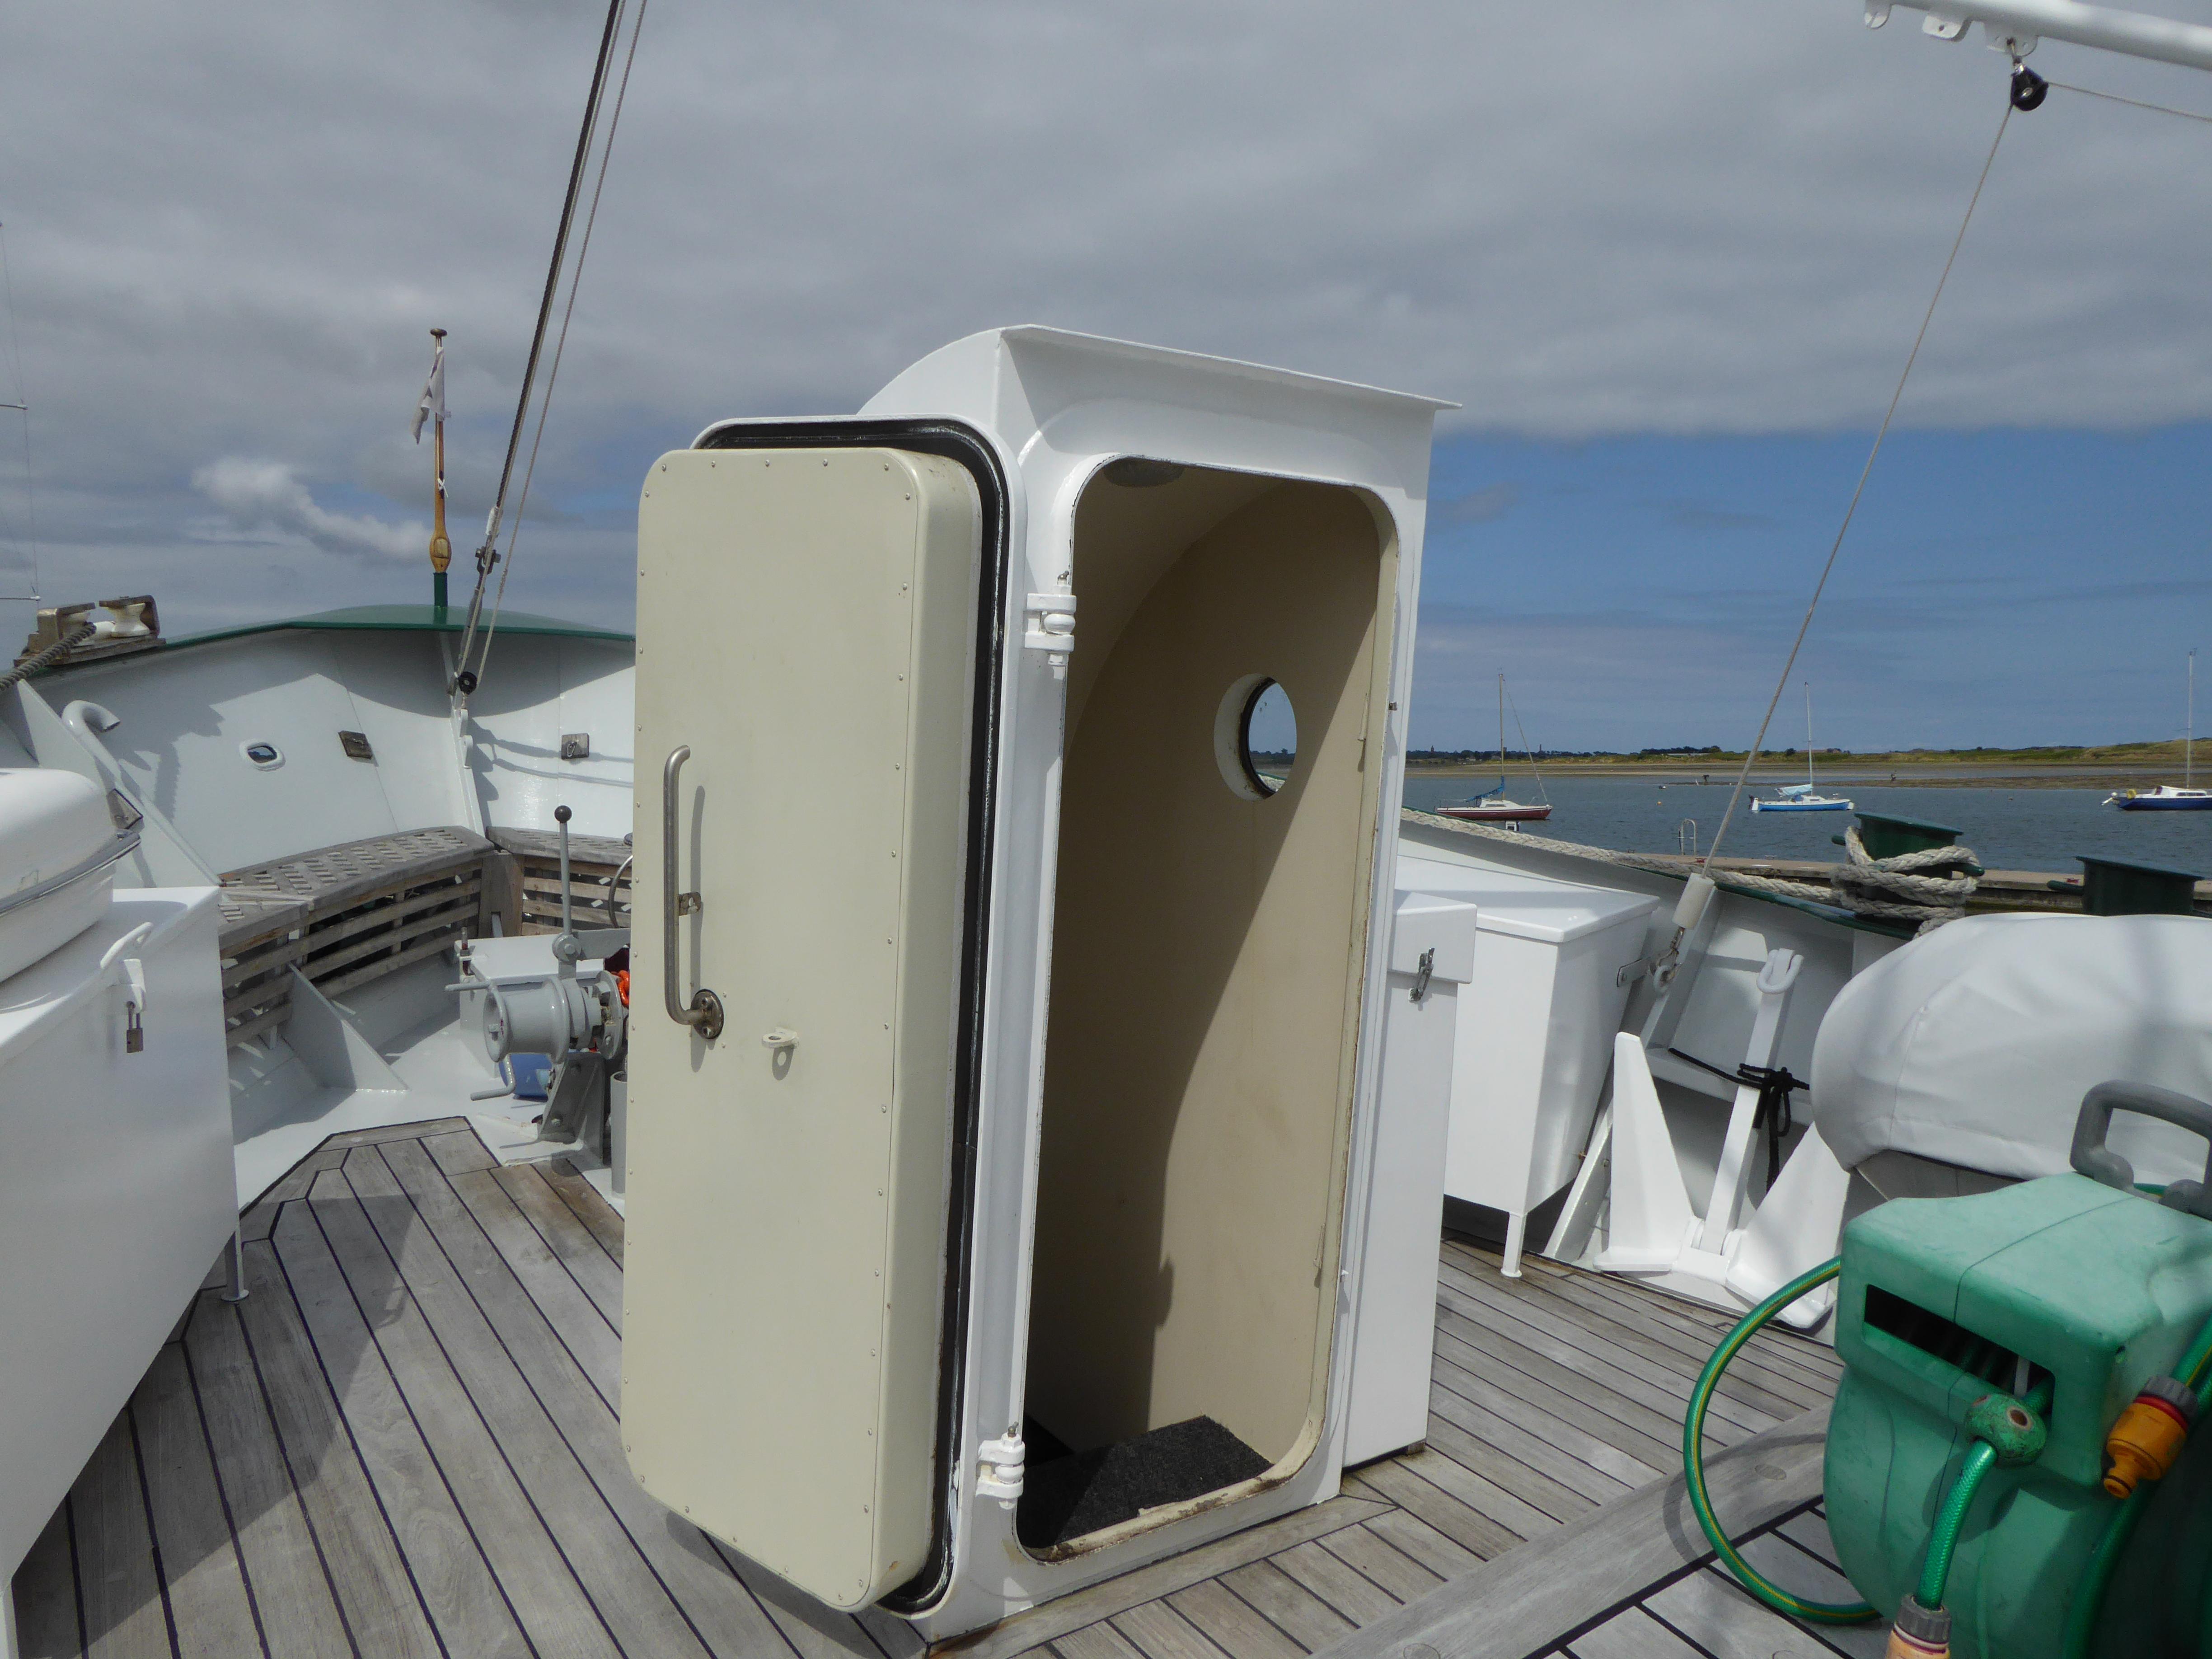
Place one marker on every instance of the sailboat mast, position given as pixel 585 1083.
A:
pixel 1808 734
pixel 2189 731
pixel 1501 722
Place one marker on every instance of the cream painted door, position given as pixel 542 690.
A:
pixel 806 626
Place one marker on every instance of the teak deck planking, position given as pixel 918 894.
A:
pixel 404 1441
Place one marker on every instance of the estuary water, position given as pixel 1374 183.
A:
pixel 2010 829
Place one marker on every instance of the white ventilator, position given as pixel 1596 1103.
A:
pixel 1654 1233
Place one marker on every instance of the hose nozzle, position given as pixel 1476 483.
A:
pixel 2144 1443
pixel 1920 1632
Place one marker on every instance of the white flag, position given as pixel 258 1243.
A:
pixel 433 402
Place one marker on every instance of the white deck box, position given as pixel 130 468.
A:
pixel 1432 953
pixel 1535 1031
pixel 116 1192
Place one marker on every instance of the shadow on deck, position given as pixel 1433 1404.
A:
pixel 405 1442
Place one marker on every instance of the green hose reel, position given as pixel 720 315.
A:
pixel 2075 1291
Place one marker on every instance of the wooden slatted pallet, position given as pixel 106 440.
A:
pixel 343 915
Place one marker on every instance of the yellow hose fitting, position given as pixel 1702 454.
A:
pixel 2144 1443
pixel 1920 1632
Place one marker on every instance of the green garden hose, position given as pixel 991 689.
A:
pixel 2097 1578
pixel 1943 1536
pixel 1693 1463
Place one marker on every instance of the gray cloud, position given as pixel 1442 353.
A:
pixel 1481 506
pixel 229 229
pixel 265 496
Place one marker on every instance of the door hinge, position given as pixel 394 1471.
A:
pixel 1001 1473
pixel 1048 625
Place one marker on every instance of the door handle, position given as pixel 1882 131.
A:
pixel 703 1014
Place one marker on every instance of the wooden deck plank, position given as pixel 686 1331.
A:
pixel 1806 1575
pixel 1739 1401
pixel 1421 1543
pixel 258 1354
pixel 1524 1602
pixel 421 1131
pixel 1594 1464
pixel 1714 1613
pixel 1055 1618
pixel 721 1611
pixel 1662 1395
pixel 1479 1493
pixel 1806 1361
pixel 1635 1331
pixel 1472 1530
pixel 1288 1606
pixel 1494 1354
pixel 621 1604
pixel 458 1151
pixel 1702 1326
pixel 592 1343
pixel 459 1587
pixel 207 1588
pixel 1450 1435
pixel 1634 1634
pixel 1158 1631
pixel 594 1271
pixel 45 1596
pixel 292 1184
pixel 591 1208
pixel 1343 1588
pixel 1810 1532
pixel 1100 1641
pixel 1231 1623
pixel 1381 1562
pixel 1605 1418
pixel 801 1623
pixel 124 1614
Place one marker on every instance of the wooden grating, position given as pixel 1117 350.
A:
pixel 344 915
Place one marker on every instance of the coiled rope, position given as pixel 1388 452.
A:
pixel 1929 887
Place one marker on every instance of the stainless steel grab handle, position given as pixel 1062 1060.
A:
pixel 704 1012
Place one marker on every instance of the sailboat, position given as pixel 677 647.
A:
pixel 1492 806
pixel 1803 797
pixel 2167 797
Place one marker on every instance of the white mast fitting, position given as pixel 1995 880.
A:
pixel 2015 26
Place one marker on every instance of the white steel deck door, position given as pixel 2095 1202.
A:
pixel 806 626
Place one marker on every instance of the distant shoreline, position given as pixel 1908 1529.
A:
pixel 1839 770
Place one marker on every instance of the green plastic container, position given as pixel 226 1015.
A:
pixel 2111 887
pixel 1944 1300
pixel 1886 837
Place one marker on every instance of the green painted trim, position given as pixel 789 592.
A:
pixel 412 619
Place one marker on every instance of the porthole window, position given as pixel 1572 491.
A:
pixel 266 756
pixel 1255 737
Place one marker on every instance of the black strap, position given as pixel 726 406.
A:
pixel 1775 1085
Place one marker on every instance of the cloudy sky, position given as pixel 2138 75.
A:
pixel 1668 256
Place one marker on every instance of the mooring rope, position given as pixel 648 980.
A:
pixel 1929 887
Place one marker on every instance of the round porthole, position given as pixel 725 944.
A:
pixel 1255 737
pixel 266 756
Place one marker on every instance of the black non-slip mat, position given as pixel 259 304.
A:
pixel 1070 1496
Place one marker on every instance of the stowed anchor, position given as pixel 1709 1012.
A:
pixel 1721 1257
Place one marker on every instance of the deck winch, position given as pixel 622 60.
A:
pixel 2010 1473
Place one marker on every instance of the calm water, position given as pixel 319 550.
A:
pixel 2011 829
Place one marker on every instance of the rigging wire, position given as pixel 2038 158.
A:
pixel 2132 103
pixel 561 343
pixel 23 408
pixel 488 554
pixel 1540 793
pixel 1850 512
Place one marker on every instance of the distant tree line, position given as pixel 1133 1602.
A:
pixel 1466 757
